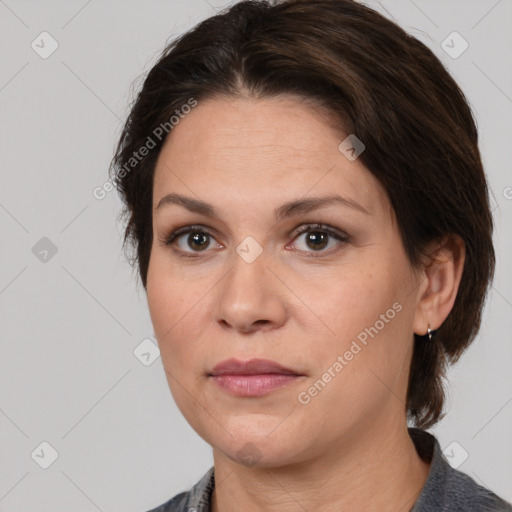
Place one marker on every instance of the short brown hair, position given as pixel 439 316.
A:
pixel 383 85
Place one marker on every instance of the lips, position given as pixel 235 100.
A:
pixel 253 378
pixel 251 367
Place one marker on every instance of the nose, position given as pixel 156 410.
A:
pixel 250 297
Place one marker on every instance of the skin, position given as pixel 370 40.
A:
pixel 348 448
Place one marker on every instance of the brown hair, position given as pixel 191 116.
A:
pixel 383 85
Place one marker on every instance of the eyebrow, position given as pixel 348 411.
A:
pixel 289 209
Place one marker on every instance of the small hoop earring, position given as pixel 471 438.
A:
pixel 430 332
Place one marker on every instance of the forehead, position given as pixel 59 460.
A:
pixel 272 149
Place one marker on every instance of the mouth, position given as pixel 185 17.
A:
pixel 256 377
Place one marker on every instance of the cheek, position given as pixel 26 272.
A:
pixel 175 316
pixel 368 321
pixel 348 300
pixel 174 305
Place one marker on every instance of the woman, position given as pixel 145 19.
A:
pixel 306 198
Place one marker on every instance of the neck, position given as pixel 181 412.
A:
pixel 379 470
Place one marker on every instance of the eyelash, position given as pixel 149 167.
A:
pixel 322 228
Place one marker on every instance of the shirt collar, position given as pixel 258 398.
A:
pixel 427 446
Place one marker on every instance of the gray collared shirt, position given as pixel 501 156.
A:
pixel 446 489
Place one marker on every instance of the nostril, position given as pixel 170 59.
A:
pixel 250 328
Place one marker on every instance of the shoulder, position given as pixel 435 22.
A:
pixel 196 499
pixel 470 496
pixel 448 489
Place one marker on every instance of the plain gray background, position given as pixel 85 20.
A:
pixel 70 321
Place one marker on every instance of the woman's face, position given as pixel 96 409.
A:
pixel 333 302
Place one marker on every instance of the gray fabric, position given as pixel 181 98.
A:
pixel 446 489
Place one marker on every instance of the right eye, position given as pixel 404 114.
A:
pixel 190 239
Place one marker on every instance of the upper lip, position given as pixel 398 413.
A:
pixel 251 367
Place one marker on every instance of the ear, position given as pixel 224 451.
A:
pixel 441 275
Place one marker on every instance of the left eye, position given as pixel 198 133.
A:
pixel 318 238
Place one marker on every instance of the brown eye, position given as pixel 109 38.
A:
pixel 317 240
pixel 190 240
pixel 198 241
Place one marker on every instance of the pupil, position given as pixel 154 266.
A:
pixel 200 240
pixel 318 239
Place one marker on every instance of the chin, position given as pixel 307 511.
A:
pixel 260 450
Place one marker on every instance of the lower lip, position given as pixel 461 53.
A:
pixel 253 385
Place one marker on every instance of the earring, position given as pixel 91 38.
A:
pixel 430 332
